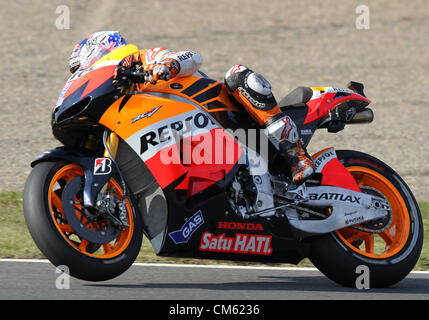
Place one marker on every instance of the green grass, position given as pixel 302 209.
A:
pixel 423 263
pixel 16 242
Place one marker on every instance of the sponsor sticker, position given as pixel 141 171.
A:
pixel 185 56
pixel 324 158
pixel 306 132
pixel 335 196
pixel 184 234
pixel 146 114
pixel 350 113
pixel 240 226
pixel 183 125
pixel 241 243
pixel 354 220
pixel 332 89
pixel 102 166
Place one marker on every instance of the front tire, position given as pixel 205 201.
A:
pixel 47 223
pixel 391 254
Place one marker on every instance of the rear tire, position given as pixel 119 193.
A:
pixel 389 255
pixel 59 243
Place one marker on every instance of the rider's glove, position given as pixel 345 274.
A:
pixel 122 76
pixel 128 73
pixel 164 70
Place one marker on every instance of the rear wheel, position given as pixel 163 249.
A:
pixel 94 246
pixel 390 248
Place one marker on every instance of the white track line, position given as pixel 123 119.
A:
pixel 212 266
pixel 182 265
pixel 223 266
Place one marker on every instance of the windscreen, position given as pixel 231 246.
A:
pixel 92 82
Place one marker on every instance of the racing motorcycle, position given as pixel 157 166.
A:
pixel 124 172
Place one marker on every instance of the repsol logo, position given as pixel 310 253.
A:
pixel 185 56
pixel 164 133
pixel 335 196
pixel 320 159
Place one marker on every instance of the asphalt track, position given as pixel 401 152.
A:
pixel 39 280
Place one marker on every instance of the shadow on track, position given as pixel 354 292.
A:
pixel 296 283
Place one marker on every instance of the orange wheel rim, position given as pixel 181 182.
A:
pixel 104 251
pixel 390 241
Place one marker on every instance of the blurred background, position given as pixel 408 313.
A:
pixel 292 43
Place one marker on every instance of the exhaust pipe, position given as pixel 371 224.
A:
pixel 363 116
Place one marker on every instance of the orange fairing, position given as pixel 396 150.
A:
pixel 202 157
pixel 211 95
pixel 205 153
pixel 130 114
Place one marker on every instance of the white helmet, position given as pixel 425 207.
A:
pixel 94 47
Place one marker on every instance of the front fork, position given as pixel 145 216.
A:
pixel 111 144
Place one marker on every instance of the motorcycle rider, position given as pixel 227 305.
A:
pixel 248 88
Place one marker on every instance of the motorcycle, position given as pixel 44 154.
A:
pixel 125 171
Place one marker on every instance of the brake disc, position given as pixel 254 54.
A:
pixel 377 225
pixel 90 227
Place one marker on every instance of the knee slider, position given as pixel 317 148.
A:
pixel 253 86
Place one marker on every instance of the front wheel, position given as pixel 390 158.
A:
pixel 100 249
pixel 389 253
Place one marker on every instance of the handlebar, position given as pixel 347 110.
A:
pixel 136 76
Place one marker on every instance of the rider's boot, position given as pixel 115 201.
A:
pixel 302 165
pixel 283 133
pixel 253 91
